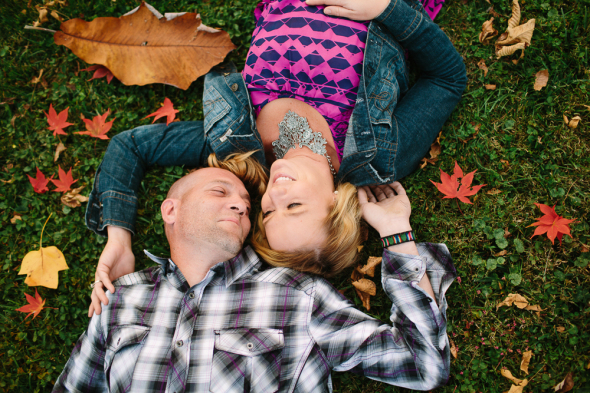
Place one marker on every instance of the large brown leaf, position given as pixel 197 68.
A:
pixel 142 47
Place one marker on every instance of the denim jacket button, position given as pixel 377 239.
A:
pixel 234 87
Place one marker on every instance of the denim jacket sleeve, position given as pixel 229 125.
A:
pixel 422 111
pixel 113 200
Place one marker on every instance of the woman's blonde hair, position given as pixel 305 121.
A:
pixel 340 251
pixel 246 168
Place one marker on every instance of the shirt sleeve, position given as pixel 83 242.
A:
pixel 113 200
pixel 84 371
pixel 413 352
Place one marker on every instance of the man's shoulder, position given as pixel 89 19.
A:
pixel 146 276
pixel 286 277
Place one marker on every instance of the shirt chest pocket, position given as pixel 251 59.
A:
pixel 124 345
pixel 246 360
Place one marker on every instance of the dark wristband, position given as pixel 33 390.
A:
pixel 398 238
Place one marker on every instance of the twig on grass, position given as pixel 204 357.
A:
pixel 27 27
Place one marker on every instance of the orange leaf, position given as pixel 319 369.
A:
pixel 65 180
pixel 40 182
pixel 167 110
pixel 35 305
pixel 143 47
pixel 97 128
pixel 551 223
pixel 100 72
pixel 57 122
pixel 450 185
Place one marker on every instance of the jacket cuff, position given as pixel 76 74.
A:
pixel 403 267
pixel 110 208
pixel 402 18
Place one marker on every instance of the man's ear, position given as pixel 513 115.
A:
pixel 169 210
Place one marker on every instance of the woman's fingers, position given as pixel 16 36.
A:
pixel 398 188
pixel 95 305
pixel 370 195
pixel 379 192
pixel 105 280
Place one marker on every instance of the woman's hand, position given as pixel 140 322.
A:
pixel 116 260
pixel 352 9
pixel 386 208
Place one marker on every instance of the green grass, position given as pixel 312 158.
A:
pixel 522 148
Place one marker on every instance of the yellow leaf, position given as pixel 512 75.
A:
pixel 526 359
pixel 507 374
pixel 60 147
pixel 487 31
pixel 42 266
pixel 541 79
pixel 513 298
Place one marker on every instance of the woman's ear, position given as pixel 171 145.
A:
pixel 169 209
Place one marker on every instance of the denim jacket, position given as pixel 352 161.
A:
pixel 391 128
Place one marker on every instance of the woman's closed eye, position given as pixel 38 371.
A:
pixel 291 206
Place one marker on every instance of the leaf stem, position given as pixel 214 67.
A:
pixel 27 27
pixel 456 200
pixel 41 241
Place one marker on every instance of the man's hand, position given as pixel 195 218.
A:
pixel 386 208
pixel 116 260
pixel 352 9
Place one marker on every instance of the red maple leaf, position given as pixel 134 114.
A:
pixel 35 305
pixel 97 128
pixel 40 182
pixel 65 180
pixel 166 110
pixel 57 122
pixel 100 71
pixel 450 185
pixel 551 223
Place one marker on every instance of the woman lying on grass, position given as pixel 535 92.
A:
pixel 325 101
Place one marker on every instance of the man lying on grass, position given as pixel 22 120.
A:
pixel 214 317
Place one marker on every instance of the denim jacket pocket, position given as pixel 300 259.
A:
pixel 123 347
pixel 246 360
pixel 215 107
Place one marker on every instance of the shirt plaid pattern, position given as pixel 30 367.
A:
pixel 248 327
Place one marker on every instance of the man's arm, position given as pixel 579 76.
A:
pixel 84 371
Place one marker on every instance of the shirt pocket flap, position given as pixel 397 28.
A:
pixel 215 107
pixel 122 336
pixel 249 342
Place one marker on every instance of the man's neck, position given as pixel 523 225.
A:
pixel 194 261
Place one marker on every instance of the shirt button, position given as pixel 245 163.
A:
pixel 191 295
pixel 179 343
pixel 250 346
pixel 429 300
pixel 234 87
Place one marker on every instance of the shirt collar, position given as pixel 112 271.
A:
pixel 246 262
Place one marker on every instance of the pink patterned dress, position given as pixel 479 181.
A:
pixel 298 52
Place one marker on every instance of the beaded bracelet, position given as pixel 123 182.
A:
pixel 398 238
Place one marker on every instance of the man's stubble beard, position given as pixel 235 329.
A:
pixel 199 232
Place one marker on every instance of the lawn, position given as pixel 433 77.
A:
pixel 514 136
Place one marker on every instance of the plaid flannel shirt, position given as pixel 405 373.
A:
pixel 248 327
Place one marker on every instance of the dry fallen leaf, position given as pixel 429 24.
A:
pixel 369 268
pixel 516 37
pixel 501 253
pixel 541 79
pixel 507 374
pixel 434 152
pixel 482 66
pixel 366 285
pixel 513 298
pixel 487 31
pixel 42 14
pixel 515 18
pixel 494 191
pixel 490 87
pixel 56 16
pixel 143 47
pixel 42 266
pixel 526 359
pixel 573 123
pixel 502 51
pixel 518 388
pixel 16 218
pixel 535 307
pixel 73 198
pixel 454 350
pixel 359 248
pixel 60 147
pixel 566 385
pixel 37 79
pixel 560 329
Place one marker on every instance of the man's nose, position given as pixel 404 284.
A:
pixel 239 206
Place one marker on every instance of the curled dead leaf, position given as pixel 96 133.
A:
pixel 369 268
pixel 37 79
pixel 515 18
pixel 518 388
pixel 534 307
pixel 365 298
pixel 482 66
pixel 490 87
pixel 16 218
pixel 73 198
pixel 518 34
pixel 573 123
pixel 560 329
pixel 502 51
pixel 42 14
pixel 366 285
pixel 526 359
pixel 494 191
pixel 566 385
pixel 55 15
pixel 60 147
pixel 541 79
pixel 454 349
pixel 435 150
pixel 487 31
pixel 507 374
pixel 513 298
